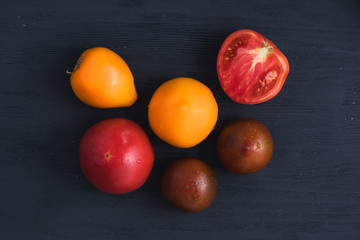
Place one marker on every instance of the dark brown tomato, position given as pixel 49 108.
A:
pixel 245 146
pixel 189 185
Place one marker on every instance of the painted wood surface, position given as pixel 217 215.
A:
pixel 310 190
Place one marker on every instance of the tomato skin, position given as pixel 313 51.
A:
pixel 189 184
pixel 251 69
pixel 245 146
pixel 116 155
pixel 182 112
pixel 102 79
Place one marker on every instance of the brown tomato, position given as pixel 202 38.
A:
pixel 245 146
pixel 189 185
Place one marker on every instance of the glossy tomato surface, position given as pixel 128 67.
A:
pixel 251 69
pixel 116 155
pixel 182 112
pixel 102 79
pixel 189 184
pixel 245 146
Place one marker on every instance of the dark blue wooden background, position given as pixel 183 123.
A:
pixel 311 188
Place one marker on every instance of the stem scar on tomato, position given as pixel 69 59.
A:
pixel 107 156
pixel 77 66
pixel 269 48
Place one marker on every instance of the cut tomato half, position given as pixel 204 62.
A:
pixel 251 68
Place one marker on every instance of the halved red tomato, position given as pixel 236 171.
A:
pixel 251 68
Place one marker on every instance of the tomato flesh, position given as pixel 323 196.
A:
pixel 251 68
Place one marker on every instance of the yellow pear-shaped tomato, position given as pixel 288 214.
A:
pixel 102 79
pixel 183 112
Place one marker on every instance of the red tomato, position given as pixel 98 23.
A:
pixel 189 184
pixel 251 68
pixel 116 155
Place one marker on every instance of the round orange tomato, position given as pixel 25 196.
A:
pixel 102 79
pixel 183 112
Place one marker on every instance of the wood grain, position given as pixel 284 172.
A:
pixel 310 190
